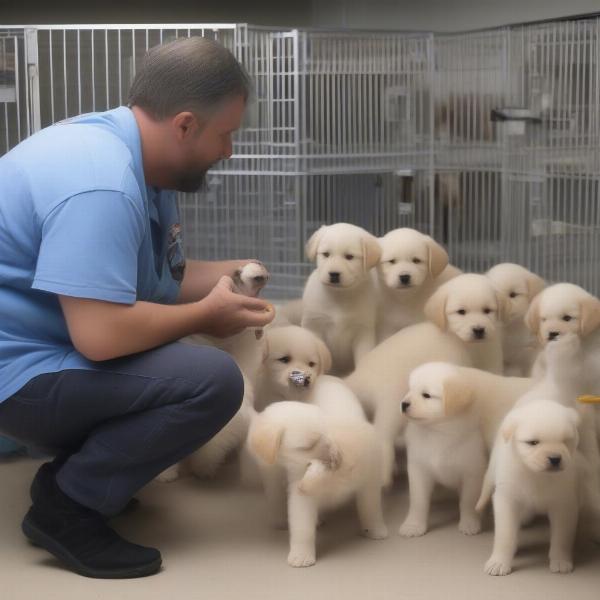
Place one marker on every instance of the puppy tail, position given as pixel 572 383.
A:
pixel 315 477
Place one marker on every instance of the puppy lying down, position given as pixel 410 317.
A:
pixel 314 457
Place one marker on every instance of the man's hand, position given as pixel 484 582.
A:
pixel 228 312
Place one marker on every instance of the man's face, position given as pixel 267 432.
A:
pixel 201 145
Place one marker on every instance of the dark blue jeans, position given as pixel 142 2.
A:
pixel 114 429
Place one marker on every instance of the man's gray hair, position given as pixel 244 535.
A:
pixel 188 74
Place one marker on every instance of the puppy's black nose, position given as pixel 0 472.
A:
pixel 553 335
pixel 479 332
pixel 405 406
pixel 404 279
pixel 554 460
pixel 334 277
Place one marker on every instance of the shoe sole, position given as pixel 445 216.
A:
pixel 39 538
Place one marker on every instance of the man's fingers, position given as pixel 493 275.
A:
pixel 227 282
pixel 258 304
pixel 256 318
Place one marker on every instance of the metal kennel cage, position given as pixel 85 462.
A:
pixel 487 140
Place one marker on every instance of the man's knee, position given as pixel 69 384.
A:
pixel 227 384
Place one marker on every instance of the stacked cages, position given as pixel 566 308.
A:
pixel 487 140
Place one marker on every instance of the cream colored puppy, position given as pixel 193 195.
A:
pixel 487 396
pixel 339 298
pixel 466 313
pixel 323 454
pixel 412 266
pixel 444 445
pixel 247 349
pixel 288 313
pixel 535 468
pixel 519 287
pixel 293 359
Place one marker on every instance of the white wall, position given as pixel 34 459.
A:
pixel 442 15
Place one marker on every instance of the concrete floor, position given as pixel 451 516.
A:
pixel 216 544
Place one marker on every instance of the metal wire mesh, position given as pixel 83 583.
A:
pixel 378 129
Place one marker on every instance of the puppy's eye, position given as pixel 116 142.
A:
pixel 532 442
pixel 487 311
pixel 513 295
pixel 284 359
pixel 349 256
pixel 392 261
pixel 567 318
pixel 461 311
pixel 426 395
pixel 312 363
pixel 417 261
pixel 325 254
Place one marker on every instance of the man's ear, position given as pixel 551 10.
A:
pixel 371 251
pixel 264 439
pixel 185 125
pixel 435 308
pixel 458 395
pixel 532 317
pixel 312 245
pixel 438 257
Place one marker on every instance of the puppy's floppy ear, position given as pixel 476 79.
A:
pixel 503 307
pixel 324 356
pixel 458 395
pixel 265 348
pixel 509 426
pixel 535 284
pixel 371 251
pixel 532 317
pixel 435 307
pixel 590 315
pixel 312 245
pixel 264 439
pixel 438 257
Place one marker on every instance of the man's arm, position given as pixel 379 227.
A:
pixel 104 330
pixel 201 276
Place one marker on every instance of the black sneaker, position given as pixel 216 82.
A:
pixel 81 539
pixel 45 475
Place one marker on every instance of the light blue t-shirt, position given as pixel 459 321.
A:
pixel 77 219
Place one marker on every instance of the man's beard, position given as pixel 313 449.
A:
pixel 191 182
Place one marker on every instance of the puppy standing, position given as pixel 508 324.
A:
pixel 246 349
pixel 467 312
pixel 535 468
pixel 339 298
pixel 324 453
pixel 519 287
pixel 412 267
pixel 444 445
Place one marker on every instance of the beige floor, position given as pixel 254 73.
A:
pixel 216 545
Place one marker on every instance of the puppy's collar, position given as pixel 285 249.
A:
pixel 587 399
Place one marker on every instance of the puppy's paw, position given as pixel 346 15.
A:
pixel 412 529
pixel 495 566
pixel 561 566
pixel 251 278
pixel 169 475
pixel 469 525
pixel 379 532
pixel 301 557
